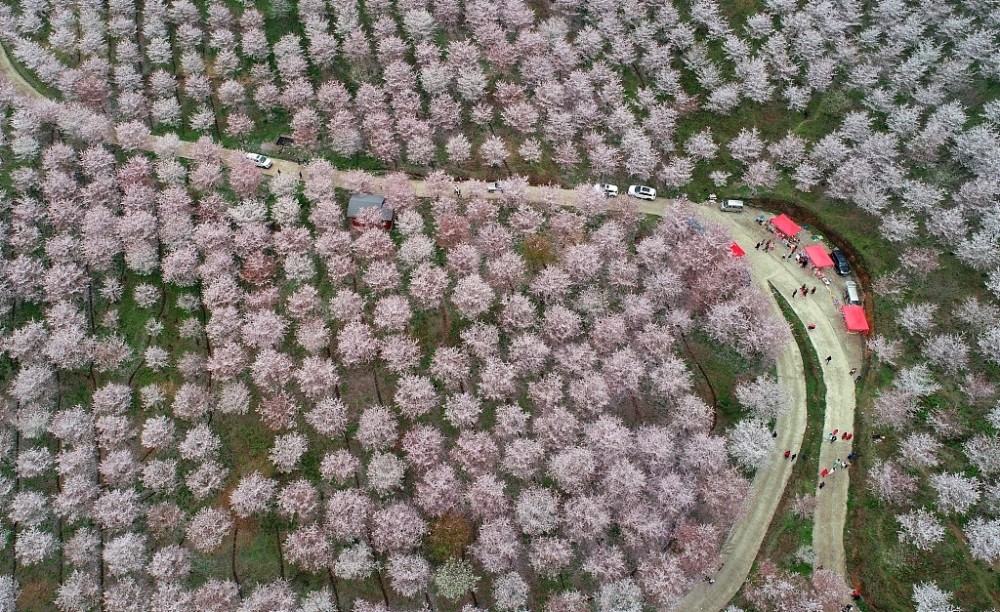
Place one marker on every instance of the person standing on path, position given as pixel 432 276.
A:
pixel 794 291
pixel 812 291
pixel 829 358
pixel 788 453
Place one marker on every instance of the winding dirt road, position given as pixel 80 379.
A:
pixel 743 543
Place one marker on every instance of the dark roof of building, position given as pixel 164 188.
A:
pixel 368 200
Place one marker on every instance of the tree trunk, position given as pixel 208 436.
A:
pixel 333 586
pixel 17 487
pixel 444 320
pixel 638 73
pixel 704 374
pixel 90 300
pixel 381 585
pixel 378 389
pixel 281 554
pixel 100 557
pixel 232 558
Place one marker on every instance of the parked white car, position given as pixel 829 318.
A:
pixel 493 187
pixel 261 161
pixel 607 189
pixel 642 192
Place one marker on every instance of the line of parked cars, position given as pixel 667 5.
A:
pixel 635 191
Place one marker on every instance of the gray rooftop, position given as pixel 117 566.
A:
pixel 367 200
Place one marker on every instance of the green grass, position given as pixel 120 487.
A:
pixel 715 371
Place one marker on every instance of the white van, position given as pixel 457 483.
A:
pixel 731 206
pixel 851 294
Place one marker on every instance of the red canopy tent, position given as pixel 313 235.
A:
pixel 737 251
pixel 818 256
pixel 854 316
pixel 785 225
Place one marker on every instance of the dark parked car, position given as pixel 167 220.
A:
pixel 840 262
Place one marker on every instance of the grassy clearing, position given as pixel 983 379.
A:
pixel 715 372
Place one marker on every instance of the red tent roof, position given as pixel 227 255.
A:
pixel 854 316
pixel 737 251
pixel 818 256
pixel 785 225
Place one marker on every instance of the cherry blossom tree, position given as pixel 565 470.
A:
pixel 921 529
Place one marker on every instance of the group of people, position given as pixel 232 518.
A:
pixel 800 258
pixel 832 437
pixel 804 290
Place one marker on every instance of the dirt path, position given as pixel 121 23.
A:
pixel 740 549
pixel 829 338
pixel 744 541
pixel 7 69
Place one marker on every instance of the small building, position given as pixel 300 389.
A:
pixel 360 202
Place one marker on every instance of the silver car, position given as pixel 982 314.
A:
pixel 607 189
pixel 261 161
pixel 642 192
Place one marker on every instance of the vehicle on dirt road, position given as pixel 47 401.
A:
pixel 840 263
pixel 261 161
pixel 607 189
pixel 642 192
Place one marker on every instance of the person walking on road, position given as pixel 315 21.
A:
pixel 788 453
pixel 812 291
pixel 829 358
